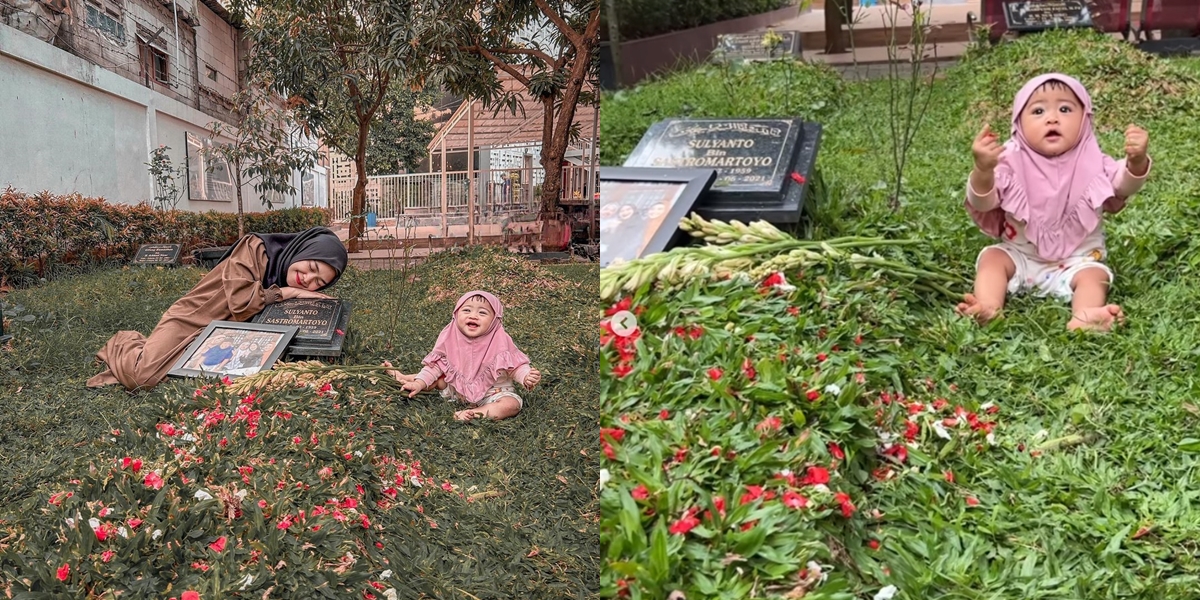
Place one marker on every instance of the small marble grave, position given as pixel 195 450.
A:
pixel 322 324
pixel 1037 15
pixel 763 165
pixel 750 47
pixel 150 255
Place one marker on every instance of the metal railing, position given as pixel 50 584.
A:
pixel 497 191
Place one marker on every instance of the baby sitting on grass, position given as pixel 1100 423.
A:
pixel 475 362
pixel 1044 193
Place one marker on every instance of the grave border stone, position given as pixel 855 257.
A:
pixel 1027 27
pixel 286 333
pixel 789 47
pixel 695 183
pixel 176 252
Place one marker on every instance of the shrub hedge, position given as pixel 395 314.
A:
pixel 43 232
pixel 640 19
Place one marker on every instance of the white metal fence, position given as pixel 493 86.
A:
pixel 427 194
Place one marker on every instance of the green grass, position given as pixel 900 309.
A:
pixel 529 529
pixel 1106 511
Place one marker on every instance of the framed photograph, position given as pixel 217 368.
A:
pixel 230 348
pixel 640 208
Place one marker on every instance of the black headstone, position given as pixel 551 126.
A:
pixel 157 254
pixel 746 47
pixel 322 324
pixel 1036 15
pixel 763 165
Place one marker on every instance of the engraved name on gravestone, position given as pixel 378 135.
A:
pixel 1035 15
pixel 762 165
pixel 157 254
pixel 316 318
pixel 745 47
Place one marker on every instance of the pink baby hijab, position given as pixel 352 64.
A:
pixel 472 366
pixel 1057 197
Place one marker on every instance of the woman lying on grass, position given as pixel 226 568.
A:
pixel 1044 194
pixel 260 269
pixel 475 362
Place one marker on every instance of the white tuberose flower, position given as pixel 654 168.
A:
pixel 604 477
pixel 887 593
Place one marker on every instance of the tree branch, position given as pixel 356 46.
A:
pixel 560 23
pixel 507 68
pixel 526 51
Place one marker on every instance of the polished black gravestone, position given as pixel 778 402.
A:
pixel 1038 15
pixel 748 47
pixel 763 165
pixel 157 255
pixel 322 324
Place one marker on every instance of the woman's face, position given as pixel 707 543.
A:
pixel 310 275
pixel 656 210
pixel 626 212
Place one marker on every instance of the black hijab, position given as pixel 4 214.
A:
pixel 283 249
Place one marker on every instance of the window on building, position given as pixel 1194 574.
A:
pixel 154 60
pixel 108 17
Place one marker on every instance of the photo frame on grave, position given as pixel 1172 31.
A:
pixel 233 349
pixel 640 208
pixel 157 255
pixel 1038 15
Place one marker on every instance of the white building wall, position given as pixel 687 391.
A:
pixel 70 126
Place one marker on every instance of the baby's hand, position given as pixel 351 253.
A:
pixel 414 386
pixel 532 378
pixel 987 150
pixel 1136 142
pixel 401 377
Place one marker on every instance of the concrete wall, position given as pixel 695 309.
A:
pixel 67 125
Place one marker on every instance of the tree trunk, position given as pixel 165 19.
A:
pixel 358 213
pixel 553 149
pixel 835 10
pixel 237 167
pixel 614 41
pixel 555 135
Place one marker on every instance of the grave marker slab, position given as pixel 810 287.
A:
pixel 748 47
pixel 763 165
pixel 157 255
pixel 1036 15
pixel 321 324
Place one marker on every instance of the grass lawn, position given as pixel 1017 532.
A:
pixel 853 434
pixel 346 491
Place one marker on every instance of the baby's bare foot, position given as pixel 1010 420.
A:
pixel 972 307
pixel 1096 318
pixel 470 413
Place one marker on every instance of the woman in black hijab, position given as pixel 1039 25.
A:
pixel 260 269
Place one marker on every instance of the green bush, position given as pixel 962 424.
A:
pixel 42 233
pixel 638 19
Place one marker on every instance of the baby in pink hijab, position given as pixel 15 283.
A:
pixel 475 362
pixel 1043 194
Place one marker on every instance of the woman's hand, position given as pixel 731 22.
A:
pixel 289 293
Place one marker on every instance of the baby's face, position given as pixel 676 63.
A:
pixel 1052 120
pixel 474 318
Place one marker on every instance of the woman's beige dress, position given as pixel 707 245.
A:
pixel 232 291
